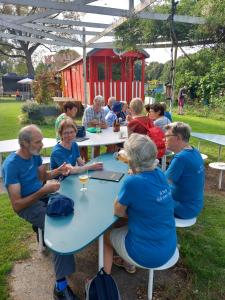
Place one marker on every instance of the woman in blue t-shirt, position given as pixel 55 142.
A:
pixel 67 150
pixel 149 239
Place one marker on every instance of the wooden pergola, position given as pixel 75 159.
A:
pixel 39 27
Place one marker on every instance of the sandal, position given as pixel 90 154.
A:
pixel 119 262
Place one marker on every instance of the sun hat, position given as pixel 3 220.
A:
pixel 59 205
pixel 117 107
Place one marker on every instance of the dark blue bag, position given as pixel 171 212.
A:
pixel 102 287
pixel 81 132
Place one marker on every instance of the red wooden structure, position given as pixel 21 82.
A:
pixel 108 74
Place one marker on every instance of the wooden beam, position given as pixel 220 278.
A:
pixel 35 40
pixel 36 32
pixel 121 20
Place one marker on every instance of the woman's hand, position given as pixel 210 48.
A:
pixel 64 169
pixel 96 166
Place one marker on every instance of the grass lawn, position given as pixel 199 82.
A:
pixel 202 246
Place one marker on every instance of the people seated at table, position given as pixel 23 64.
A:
pixel 70 110
pixel 109 105
pixel 24 176
pixel 94 115
pixel 149 239
pixel 124 112
pixel 156 113
pixel 113 114
pixel 136 110
pixel 67 151
pixel 186 172
pixel 166 112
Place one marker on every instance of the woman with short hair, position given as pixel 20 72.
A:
pixel 137 122
pixel 67 150
pixel 149 239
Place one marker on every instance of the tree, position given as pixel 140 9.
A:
pixel 20 49
pixel 136 31
pixel 154 70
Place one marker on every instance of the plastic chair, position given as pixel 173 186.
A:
pixel 185 222
pixel 170 263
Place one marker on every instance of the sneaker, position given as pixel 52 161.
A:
pixel 65 294
pixel 119 262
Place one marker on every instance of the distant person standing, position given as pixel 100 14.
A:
pixel 181 99
pixel 18 96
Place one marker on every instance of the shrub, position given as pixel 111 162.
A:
pixel 38 113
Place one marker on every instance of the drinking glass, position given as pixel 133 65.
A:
pixel 83 178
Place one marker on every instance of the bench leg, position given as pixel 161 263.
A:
pixel 100 252
pixel 220 179
pixel 150 284
pixel 40 240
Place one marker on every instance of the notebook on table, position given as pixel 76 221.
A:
pixel 81 139
pixel 106 175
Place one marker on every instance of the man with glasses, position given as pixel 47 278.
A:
pixel 186 173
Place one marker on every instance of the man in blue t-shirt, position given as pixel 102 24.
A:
pixel 186 172
pixel 24 177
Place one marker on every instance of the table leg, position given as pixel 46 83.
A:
pixel 92 152
pixel 219 152
pixel 0 165
pixel 101 252
pixel 199 143
pixel 220 179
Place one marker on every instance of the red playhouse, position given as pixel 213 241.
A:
pixel 108 73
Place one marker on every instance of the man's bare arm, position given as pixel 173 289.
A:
pixel 119 209
pixel 19 202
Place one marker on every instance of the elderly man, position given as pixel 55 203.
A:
pixel 109 105
pixel 24 177
pixel 70 110
pixel 94 115
pixel 186 172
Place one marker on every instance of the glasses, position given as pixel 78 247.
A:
pixel 168 135
pixel 68 132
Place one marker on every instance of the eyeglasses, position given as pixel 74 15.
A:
pixel 168 135
pixel 68 132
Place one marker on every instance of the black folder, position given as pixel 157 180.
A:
pixel 106 175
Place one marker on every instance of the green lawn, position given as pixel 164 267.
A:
pixel 202 246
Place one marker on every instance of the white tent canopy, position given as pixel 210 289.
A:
pixel 25 81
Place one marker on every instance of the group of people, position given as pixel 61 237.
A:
pixel 148 200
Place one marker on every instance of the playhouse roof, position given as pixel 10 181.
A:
pixel 96 50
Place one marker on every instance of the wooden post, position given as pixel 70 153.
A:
pixel 84 68
pixel 174 79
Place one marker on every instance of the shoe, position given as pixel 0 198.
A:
pixel 65 294
pixel 119 262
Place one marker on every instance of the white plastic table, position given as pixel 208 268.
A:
pixel 7 146
pixel 106 137
pixel 218 166
pixel 93 211
pixel 213 138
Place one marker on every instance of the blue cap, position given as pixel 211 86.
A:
pixel 59 205
pixel 117 107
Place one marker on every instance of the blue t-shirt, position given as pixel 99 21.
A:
pixel 23 171
pixel 60 155
pixel 187 173
pixel 151 237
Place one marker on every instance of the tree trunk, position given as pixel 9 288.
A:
pixel 29 63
